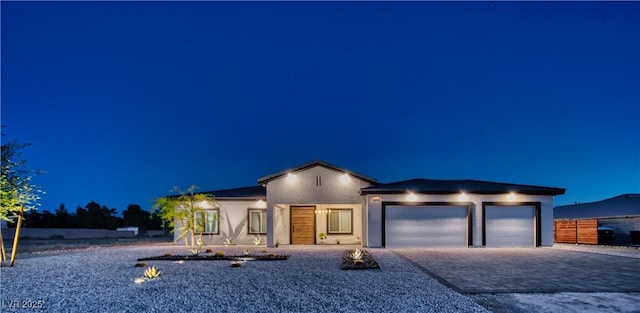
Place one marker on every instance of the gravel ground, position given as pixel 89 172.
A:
pixel 102 280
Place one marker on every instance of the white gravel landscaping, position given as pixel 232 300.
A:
pixel 625 251
pixel 102 280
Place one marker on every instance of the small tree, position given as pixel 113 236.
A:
pixel 18 193
pixel 186 209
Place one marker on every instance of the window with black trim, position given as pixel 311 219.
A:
pixel 340 221
pixel 257 221
pixel 208 221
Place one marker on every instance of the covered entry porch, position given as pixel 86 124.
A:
pixel 302 224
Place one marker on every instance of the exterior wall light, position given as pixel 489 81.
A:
pixel 463 197
pixel 291 178
pixel 511 197
pixel 345 178
pixel 412 197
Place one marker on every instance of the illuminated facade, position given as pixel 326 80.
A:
pixel 295 206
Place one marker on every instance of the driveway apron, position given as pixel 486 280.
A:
pixel 493 270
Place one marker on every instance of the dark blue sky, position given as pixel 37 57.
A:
pixel 123 100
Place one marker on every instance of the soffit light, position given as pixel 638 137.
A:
pixel 412 196
pixel 463 197
pixel 511 196
pixel 345 178
pixel 261 204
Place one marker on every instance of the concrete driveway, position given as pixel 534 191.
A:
pixel 492 270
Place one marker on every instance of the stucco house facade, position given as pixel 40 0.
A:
pixel 295 205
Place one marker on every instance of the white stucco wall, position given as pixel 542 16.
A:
pixel 303 189
pixel 233 222
pixel 375 219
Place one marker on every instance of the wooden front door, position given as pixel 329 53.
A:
pixel 303 225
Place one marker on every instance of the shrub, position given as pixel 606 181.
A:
pixel 152 272
pixel 141 264
pixel 219 253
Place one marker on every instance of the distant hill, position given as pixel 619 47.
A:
pixel 620 206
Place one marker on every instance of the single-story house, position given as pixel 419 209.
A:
pixel 295 205
pixel 620 213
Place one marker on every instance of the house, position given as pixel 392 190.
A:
pixel 295 205
pixel 620 213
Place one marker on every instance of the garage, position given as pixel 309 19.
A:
pixel 510 226
pixel 426 226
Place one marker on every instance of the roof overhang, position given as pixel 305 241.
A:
pixel 264 180
pixel 445 187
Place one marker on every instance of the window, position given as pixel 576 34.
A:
pixel 257 221
pixel 208 221
pixel 340 221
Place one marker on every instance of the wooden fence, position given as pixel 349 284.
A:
pixel 576 231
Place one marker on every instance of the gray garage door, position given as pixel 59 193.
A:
pixel 425 226
pixel 509 226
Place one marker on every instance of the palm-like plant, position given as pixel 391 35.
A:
pixel 186 208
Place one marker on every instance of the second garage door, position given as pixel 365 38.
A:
pixel 426 226
pixel 509 226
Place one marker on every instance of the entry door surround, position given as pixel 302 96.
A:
pixel 303 225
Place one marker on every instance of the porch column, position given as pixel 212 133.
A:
pixel 270 224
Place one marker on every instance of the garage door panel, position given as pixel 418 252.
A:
pixel 426 226
pixel 509 226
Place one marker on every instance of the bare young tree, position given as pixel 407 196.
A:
pixel 186 212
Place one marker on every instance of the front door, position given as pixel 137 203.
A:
pixel 303 225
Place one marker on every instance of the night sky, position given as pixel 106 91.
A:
pixel 123 100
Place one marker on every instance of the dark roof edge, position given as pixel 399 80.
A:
pixel 311 164
pixel 240 193
pixel 555 192
pixel 459 186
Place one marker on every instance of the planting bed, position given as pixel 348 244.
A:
pixel 367 261
pixel 261 257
